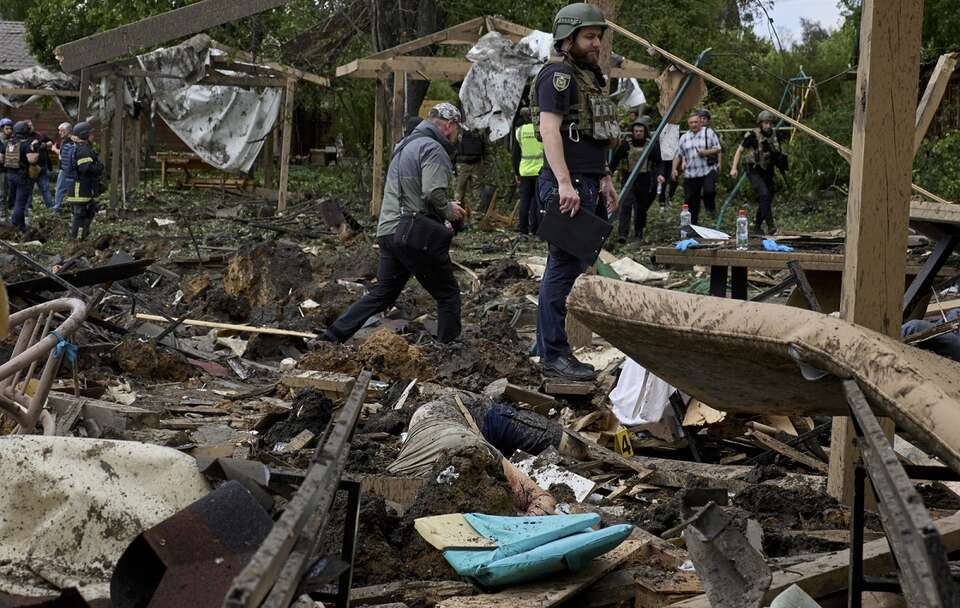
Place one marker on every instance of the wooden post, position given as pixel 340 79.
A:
pixel 269 160
pixel 933 95
pixel 132 152
pixel 288 96
pixel 116 141
pixel 84 98
pixel 878 205
pixel 399 104
pixel 379 125
pixel 609 9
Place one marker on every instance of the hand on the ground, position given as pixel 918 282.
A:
pixel 610 194
pixel 542 505
pixel 569 199
pixel 733 173
pixel 458 211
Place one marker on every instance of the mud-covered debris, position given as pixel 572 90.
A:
pixel 311 411
pixel 195 287
pixel 329 357
pixel 391 355
pixel 145 361
pixel 268 273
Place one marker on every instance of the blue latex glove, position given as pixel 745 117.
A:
pixel 772 245
pixel 682 245
pixel 64 348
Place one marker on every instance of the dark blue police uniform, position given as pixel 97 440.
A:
pixel 586 161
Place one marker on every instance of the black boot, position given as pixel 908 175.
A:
pixel 567 366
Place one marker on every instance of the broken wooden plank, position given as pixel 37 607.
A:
pixel 655 589
pixel 616 587
pixel 207 410
pixel 568 387
pixel 519 394
pixel 273 331
pixel 299 442
pixel 829 574
pixel 107 415
pixel 791 453
pixel 609 457
pixel 401 491
pixel 156 30
pixel 410 592
pixel 552 592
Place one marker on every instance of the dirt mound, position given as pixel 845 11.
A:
pixel 195 287
pixel 268 274
pixel 805 503
pixel 235 307
pixel 333 300
pixel 503 271
pixel 329 357
pixel 376 560
pixel 143 360
pixel 311 411
pixel 360 263
pixel 390 355
pixel 477 360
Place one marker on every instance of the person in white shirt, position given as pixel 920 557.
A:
pixel 697 158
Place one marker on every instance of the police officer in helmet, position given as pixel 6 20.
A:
pixel 577 123
pixel 762 154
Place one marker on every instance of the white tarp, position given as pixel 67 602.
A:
pixel 640 397
pixel 39 78
pixel 226 126
pixel 493 87
pixel 70 507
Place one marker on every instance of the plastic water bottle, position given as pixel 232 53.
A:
pixel 684 223
pixel 659 193
pixel 743 236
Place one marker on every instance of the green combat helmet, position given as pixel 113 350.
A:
pixel 766 115
pixel 575 16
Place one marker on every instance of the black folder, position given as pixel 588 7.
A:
pixel 582 235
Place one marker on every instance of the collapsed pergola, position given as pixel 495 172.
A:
pixel 105 56
pixel 399 62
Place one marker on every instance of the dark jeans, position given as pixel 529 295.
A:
pixel 10 194
pixel 397 265
pixel 697 189
pixel 23 199
pixel 947 345
pixel 562 268
pixel 762 182
pixel 43 184
pixel 529 214
pixel 637 202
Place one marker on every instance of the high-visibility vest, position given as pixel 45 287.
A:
pixel 531 151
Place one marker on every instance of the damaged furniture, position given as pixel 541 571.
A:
pixel 40 349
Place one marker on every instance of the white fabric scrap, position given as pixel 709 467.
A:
pixel 630 270
pixel 226 126
pixel 492 89
pixel 640 397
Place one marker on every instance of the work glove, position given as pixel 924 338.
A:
pixel 772 245
pixel 682 245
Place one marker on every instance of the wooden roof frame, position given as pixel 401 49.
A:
pixel 398 58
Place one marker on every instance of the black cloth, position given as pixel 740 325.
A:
pixel 89 170
pixel 762 182
pixel 471 148
pixel 636 202
pixel 529 215
pixel 587 155
pixel 700 189
pixel 397 265
pixel 509 429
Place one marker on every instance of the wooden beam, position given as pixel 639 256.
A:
pixel 829 574
pixel 689 67
pixel 269 159
pixel 397 108
pixel 634 69
pixel 156 30
pixel 243 82
pixel 932 96
pixel 609 10
pixel 116 142
pixel 38 92
pixel 430 39
pixel 379 126
pixel 278 67
pixel 419 68
pixel 877 212
pixel 286 142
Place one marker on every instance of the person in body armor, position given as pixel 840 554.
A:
pixel 577 124
pixel 86 172
pixel 760 149
pixel 471 166
pixel 638 199
pixel 413 231
pixel 21 158
pixel 6 192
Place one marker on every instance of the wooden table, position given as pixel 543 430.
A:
pixel 824 270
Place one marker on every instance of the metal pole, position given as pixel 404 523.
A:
pixel 663 124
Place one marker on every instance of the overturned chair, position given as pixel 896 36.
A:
pixel 40 349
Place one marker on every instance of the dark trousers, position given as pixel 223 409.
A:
pixel 529 213
pixel 636 202
pixel 697 189
pixel 83 214
pixel 669 186
pixel 762 182
pixel 562 268
pixel 10 194
pixel 24 193
pixel 397 265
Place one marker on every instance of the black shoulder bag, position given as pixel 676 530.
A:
pixel 420 231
